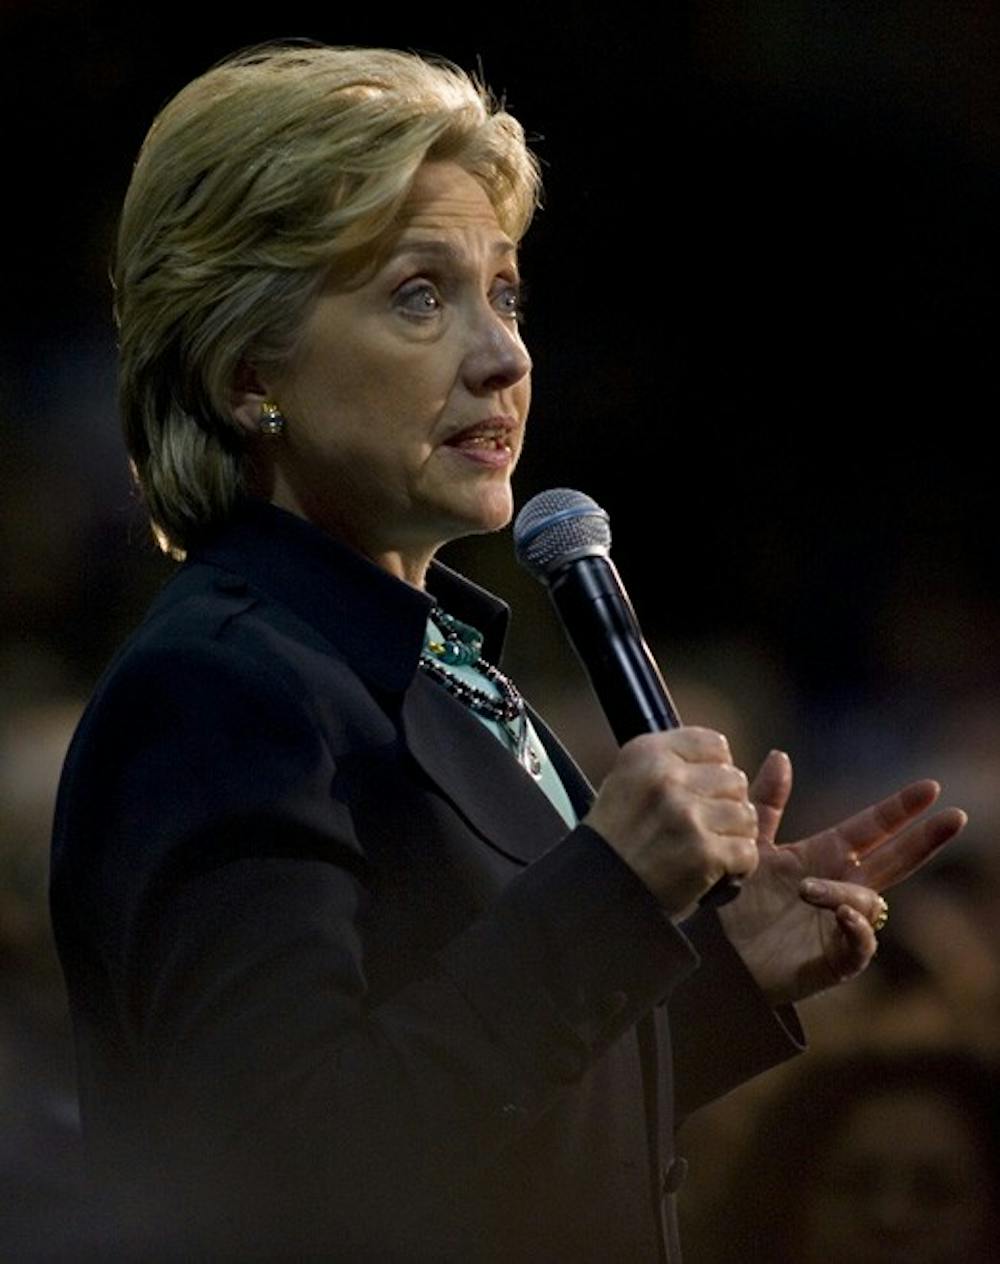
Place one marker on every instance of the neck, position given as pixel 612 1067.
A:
pixel 409 565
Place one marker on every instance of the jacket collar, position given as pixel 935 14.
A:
pixel 377 622
pixel 344 595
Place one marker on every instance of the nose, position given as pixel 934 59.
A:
pixel 496 358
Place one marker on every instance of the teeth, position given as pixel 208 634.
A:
pixel 489 440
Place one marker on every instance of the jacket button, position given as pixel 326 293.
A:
pixel 617 1004
pixel 675 1176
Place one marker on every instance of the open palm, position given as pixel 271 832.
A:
pixel 804 919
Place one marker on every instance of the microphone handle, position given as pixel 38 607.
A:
pixel 601 624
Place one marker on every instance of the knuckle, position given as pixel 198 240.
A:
pixel 684 812
pixel 652 757
pixel 702 743
pixel 644 744
pixel 748 858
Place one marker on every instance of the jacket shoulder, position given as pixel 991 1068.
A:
pixel 209 629
pixel 214 657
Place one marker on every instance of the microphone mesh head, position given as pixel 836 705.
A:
pixel 557 526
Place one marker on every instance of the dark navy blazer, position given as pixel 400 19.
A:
pixel 343 986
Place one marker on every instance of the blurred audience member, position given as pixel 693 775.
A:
pixel 870 1158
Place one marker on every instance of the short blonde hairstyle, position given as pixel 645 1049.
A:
pixel 260 178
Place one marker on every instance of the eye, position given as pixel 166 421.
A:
pixel 419 299
pixel 509 300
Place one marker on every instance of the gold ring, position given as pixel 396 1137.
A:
pixel 882 916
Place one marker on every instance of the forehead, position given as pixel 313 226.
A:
pixel 907 1125
pixel 446 212
pixel 445 197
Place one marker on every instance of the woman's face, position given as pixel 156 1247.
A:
pixel 406 399
pixel 904 1182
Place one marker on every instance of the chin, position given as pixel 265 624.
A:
pixel 494 511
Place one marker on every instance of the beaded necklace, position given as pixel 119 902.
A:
pixel 462 646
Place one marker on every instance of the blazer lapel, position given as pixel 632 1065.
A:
pixel 579 789
pixel 485 783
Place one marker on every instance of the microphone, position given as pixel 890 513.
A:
pixel 564 539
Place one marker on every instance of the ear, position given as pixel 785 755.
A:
pixel 247 394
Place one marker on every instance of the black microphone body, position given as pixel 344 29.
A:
pixel 563 538
pixel 601 624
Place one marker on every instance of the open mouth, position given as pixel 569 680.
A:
pixel 485 436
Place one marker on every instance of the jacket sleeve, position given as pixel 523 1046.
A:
pixel 211 877
pixel 724 1031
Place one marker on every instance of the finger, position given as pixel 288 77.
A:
pixel 880 821
pixel 857 945
pixel 737 854
pixel 770 791
pixel 716 781
pixel 691 743
pixel 744 857
pixel 904 854
pixel 669 755
pixel 729 818
pixel 827 894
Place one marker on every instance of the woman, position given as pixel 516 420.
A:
pixel 896 1161
pixel 349 979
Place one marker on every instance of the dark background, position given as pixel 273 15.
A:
pixel 762 297
pixel 762 310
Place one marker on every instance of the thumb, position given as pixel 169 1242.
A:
pixel 769 793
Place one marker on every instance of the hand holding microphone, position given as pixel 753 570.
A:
pixel 673 806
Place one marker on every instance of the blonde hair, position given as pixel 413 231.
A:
pixel 257 180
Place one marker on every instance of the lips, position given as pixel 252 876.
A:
pixel 496 433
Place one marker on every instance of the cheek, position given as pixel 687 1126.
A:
pixel 522 401
pixel 339 402
pixel 410 394
pixel 395 388
pixel 361 389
